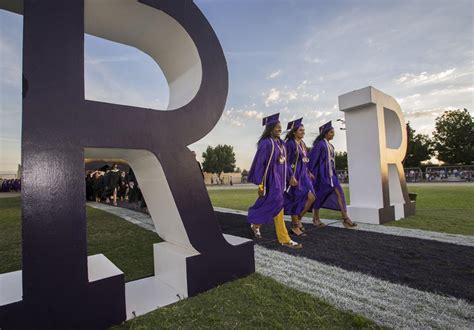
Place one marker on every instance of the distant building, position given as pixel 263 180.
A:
pixel 225 178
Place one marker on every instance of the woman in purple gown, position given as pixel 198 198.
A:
pixel 322 164
pixel 300 198
pixel 270 172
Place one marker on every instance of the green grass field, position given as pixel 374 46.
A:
pixel 448 209
pixel 129 246
pixel 252 302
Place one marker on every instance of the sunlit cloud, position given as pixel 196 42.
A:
pixel 412 79
pixel 274 74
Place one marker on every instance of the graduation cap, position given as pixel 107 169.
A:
pixel 104 168
pixel 272 119
pixel 326 128
pixel 295 124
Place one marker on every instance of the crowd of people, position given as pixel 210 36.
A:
pixel 343 176
pixel 292 180
pixel 453 174
pixel 110 185
pixel 440 174
pixel 10 185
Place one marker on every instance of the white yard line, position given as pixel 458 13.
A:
pixel 386 303
pixel 144 220
pixel 465 240
pixel 135 217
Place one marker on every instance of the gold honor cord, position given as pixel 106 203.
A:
pixel 328 145
pixel 261 186
pixel 284 150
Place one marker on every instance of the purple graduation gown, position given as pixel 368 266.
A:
pixel 295 197
pixel 268 206
pixel 325 183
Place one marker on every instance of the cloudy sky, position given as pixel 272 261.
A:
pixel 289 56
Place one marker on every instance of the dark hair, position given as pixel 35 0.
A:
pixel 292 133
pixel 268 131
pixel 320 137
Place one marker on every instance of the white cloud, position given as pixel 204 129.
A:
pixel 303 92
pixel 272 97
pixel 303 84
pixel 412 101
pixel 229 117
pixel 275 74
pixel 313 60
pixel 427 113
pixel 253 114
pixel 452 91
pixel 240 117
pixel 412 79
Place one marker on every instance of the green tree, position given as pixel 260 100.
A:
pixel 419 148
pixel 341 160
pixel 219 159
pixel 454 137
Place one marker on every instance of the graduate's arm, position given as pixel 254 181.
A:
pixel 314 159
pixel 260 162
pixel 290 152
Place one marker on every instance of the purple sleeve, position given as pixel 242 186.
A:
pixel 314 157
pixel 290 154
pixel 260 162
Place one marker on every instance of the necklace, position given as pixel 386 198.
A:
pixel 281 158
pixel 302 147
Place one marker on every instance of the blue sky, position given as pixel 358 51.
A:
pixel 289 56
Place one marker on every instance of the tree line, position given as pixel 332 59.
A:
pixel 452 143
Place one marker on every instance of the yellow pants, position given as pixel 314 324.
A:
pixel 280 227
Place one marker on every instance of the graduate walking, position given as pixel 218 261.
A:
pixel 322 164
pixel 270 172
pixel 298 198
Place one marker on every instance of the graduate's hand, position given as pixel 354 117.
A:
pixel 260 190
pixel 293 182
pixel 312 176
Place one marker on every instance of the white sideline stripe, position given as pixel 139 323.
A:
pixel 135 217
pixel 386 303
pixel 465 240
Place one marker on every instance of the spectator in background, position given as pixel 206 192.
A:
pixel 123 186
pixel 114 182
pixel 132 192
pixel 97 185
